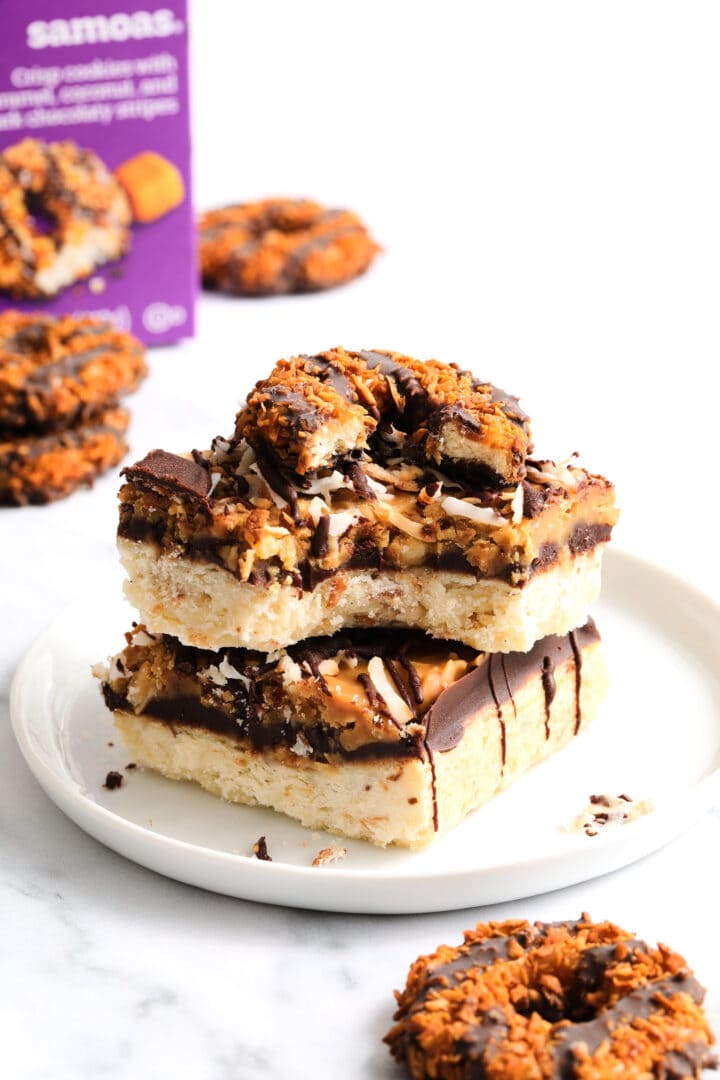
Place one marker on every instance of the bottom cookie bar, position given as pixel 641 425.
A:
pixel 559 1000
pixel 389 736
pixel 42 468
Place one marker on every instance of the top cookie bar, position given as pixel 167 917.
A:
pixel 345 498
pixel 314 410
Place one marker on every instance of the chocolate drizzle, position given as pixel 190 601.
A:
pixel 549 689
pixel 577 655
pixel 319 544
pixel 640 1002
pixel 492 658
pixel 445 721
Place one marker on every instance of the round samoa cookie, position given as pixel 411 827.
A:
pixel 567 1000
pixel 60 371
pixel 282 246
pixel 41 468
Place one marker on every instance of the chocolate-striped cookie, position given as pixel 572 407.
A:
pixel 567 1000
pixel 55 372
pixel 282 246
pixel 42 468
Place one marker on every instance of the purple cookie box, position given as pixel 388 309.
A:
pixel 151 290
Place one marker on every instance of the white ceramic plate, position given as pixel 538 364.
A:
pixel 657 738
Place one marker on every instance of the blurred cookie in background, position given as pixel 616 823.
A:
pixel 280 246
pixel 60 383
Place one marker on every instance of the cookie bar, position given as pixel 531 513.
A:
pixel 59 371
pixel 290 530
pixel 565 1000
pixel 278 246
pixel 221 550
pixel 41 468
pixel 383 735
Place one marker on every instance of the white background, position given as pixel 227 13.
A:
pixel 545 181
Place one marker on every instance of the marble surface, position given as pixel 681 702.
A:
pixel 109 970
pixel 584 279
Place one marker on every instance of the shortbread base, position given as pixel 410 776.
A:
pixel 206 606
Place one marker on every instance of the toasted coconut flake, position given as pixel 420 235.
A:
pixel 215 478
pixel 328 667
pixel 405 477
pixel 329 855
pixel 301 747
pixel 406 524
pixel 213 674
pixel 517 504
pixel 247 459
pixel 290 669
pixel 397 708
pixel 316 509
pixel 220 448
pixel 226 668
pixel 551 472
pixel 325 485
pixel 341 522
pixel 280 501
pixel 483 515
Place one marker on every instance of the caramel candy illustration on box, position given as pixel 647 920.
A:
pixel 153 184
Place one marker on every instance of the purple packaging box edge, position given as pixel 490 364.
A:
pixel 112 77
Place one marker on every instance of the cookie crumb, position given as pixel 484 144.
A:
pixel 329 855
pixel 113 780
pixel 131 765
pixel 260 851
pixel 604 810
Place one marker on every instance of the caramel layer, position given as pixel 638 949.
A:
pixel 345 712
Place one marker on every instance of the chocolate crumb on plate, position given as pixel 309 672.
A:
pixel 260 851
pixel 113 780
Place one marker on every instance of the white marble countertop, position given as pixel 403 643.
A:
pixel 576 265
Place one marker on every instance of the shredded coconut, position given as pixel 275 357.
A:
pixel 397 707
pixel 483 515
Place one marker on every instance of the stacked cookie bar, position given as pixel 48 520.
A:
pixel 60 422
pixel 368 608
